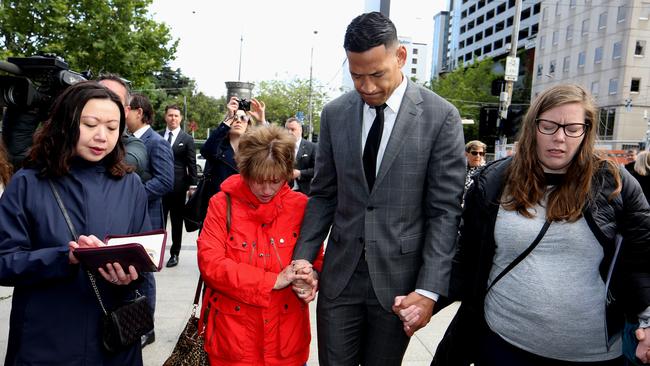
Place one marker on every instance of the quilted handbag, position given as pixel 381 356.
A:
pixel 125 325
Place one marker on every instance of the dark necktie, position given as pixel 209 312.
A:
pixel 169 137
pixel 372 146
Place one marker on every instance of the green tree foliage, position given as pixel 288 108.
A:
pixel 117 36
pixel 285 98
pixel 468 88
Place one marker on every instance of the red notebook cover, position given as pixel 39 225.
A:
pixel 145 251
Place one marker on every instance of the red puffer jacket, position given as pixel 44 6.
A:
pixel 249 323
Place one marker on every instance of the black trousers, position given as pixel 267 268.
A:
pixel 495 351
pixel 173 204
pixel 354 329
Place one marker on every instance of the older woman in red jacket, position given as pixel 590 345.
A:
pixel 253 316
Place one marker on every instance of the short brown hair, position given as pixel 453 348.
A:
pixel 266 152
pixel 140 101
pixel 172 106
pixel 474 144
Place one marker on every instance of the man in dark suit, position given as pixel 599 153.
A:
pixel 305 158
pixel 161 158
pixel 184 176
pixel 388 181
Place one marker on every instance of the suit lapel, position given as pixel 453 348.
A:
pixel 408 113
pixel 354 115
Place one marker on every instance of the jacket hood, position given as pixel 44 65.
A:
pixel 238 189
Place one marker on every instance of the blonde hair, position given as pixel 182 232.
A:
pixel 475 144
pixel 525 184
pixel 642 163
pixel 266 152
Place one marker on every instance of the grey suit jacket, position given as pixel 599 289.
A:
pixel 408 225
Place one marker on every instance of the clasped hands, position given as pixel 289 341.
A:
pixel 414 310
pixel 114 273
pixel 302 277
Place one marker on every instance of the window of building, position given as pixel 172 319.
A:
pixel 463 14
pixel 540 69
pixel 617 50
pixel 602 20
pixel 511 4
pixel 572 4
pixel 497 44
pixel 639 48
pixel 598 55
pixel 487 48
pixel 478 36
pixel 508 39
pixel 606 123
pixel 635 85
pixel 613 86
pixel 581 59
pixel 544 14
pixel 477 52
pixel 556 37
pixel 557 8
pixel 501 8
pixel 534 29
pixel 585 27
pixel 523 34
pixel 414 61
pixel 622 13
pixel 461 44
pixel 595 88
pixel 460 60
pixel 551 67
pixel 462 29
pixel 569 32
pixel 468 56
pixel 414 71
pixel 481 3
pixel 469 41
pixel 536 8
pixel 542 42
pixel 525 14
pixel 479 20
pixel 470 25
pixel 566 64
pixel 509 21
pixel 489 15
pixel 415 51
pixel 488 31
pixel 499 26
pixel 471 9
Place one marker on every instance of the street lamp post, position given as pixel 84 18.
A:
pixel 311 109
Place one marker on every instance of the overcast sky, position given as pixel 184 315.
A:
pixel 278 36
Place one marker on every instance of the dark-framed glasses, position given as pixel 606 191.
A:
pixel 548 127
pixel 475 153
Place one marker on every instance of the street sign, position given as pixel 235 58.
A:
pixel 512 68
pixel 300 115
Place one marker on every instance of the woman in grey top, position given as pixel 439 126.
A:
pixel 566 301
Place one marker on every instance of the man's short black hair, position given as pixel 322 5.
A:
pixel 118 79
pixel 369 30
pixel 140 101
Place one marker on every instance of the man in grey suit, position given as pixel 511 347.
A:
pixel 388 181
pixel 305 155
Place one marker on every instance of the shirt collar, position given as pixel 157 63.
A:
pixel 140 131
pixel 395 100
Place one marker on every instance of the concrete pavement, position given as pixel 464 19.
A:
pixel 176 288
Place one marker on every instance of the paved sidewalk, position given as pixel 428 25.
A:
pixel 176 288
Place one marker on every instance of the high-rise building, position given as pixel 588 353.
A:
pixel 482 28
pixel 439 49
pixel 601 45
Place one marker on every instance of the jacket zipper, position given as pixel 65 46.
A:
pixel 277 254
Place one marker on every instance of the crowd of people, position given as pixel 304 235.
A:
pixel 548 250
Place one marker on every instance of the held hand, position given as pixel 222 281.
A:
pixel 287 276
pixel 84 241
pixel 258 109
pixel 116 275
pixel 296 174
pixel 643 348
pixel 306 289
pixel 415 317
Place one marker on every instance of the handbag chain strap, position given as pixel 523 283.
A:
pixel 522 255
pixel 59 201
pixel 200 285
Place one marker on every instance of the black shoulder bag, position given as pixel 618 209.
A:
pixel 124 326
pixel 453 349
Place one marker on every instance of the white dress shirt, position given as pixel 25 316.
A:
pixel 175 133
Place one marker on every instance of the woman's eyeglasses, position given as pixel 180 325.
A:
pixel 547 127
pixel 475 153
pixel 242 117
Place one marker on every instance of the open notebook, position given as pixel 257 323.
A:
pixel 145 251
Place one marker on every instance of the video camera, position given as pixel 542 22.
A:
pixel 28 95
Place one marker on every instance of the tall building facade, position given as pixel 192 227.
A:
pixel 416 66
pixel 601 45
pixel 483 28
pixel 439 49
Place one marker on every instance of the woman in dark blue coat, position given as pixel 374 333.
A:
pixel 56 317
